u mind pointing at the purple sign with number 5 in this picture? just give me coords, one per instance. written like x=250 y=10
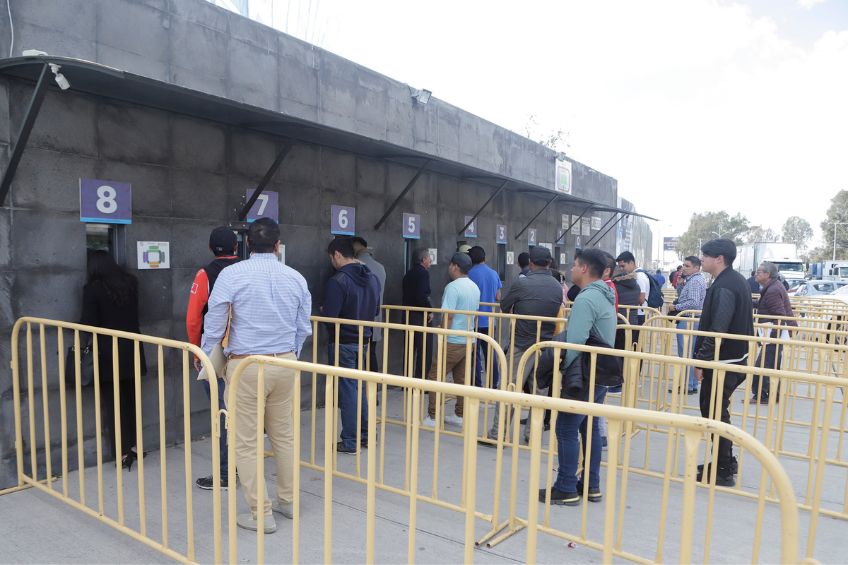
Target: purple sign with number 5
x=105 y=201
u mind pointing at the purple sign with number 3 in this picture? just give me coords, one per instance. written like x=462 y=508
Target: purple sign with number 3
x=105 y=201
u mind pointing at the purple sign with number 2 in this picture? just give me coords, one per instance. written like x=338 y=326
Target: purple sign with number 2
x=105 y=201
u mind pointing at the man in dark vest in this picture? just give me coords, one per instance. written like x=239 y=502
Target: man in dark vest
x=223 y=243
x=727 y=309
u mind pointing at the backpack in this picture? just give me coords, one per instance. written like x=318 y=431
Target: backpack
x=655 y=296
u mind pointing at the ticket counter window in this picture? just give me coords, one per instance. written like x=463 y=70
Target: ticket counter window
x=409 y=247
x=502 y=261
x=108 y=238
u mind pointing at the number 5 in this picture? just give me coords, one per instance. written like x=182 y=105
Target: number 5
x=410 y=224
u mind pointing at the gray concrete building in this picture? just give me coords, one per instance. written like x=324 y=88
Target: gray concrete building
x=191 y=105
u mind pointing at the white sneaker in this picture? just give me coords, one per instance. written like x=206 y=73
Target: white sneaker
x=454 y=420
x=248 y=522
x=284 y=508
x=428 y=422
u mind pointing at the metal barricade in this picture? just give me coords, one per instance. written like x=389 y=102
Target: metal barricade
x=607 y=535
x=48 y=348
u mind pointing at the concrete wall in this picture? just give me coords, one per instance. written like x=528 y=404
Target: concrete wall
x=189 y=176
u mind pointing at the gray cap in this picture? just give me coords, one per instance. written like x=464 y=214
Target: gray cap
x=461 y=260
x=540 y=255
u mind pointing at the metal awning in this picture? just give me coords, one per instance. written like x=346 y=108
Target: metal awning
x=108 y=82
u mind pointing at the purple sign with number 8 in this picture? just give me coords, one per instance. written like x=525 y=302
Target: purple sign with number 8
x=105 y=201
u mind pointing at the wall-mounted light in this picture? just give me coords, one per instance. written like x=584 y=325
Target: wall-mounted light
x=59 y=77
x=420 y=95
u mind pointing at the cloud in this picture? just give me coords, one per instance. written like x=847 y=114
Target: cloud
x=810 y=4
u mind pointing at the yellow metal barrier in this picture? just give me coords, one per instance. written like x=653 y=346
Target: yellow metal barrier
x=49 y=350
x=609 y=535
x=806 y=428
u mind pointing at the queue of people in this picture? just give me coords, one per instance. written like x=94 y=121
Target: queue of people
x=261 y=306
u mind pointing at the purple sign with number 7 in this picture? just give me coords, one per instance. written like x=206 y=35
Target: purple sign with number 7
x=267 y=205
x=105 y=201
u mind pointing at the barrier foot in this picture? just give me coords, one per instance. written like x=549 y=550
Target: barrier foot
x=491 y=533
x=26 y=486
x=514 y=529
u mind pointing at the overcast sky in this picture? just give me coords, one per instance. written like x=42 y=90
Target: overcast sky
x=693 y=105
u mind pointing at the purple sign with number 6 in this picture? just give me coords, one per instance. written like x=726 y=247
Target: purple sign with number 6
x=105 y=201
x=267 y=205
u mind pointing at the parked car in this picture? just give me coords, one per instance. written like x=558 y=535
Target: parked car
x=819 y=287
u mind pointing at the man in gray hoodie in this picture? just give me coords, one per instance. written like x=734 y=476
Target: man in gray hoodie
x=593 y=309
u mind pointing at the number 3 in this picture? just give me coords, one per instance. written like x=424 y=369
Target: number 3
x=106 y=200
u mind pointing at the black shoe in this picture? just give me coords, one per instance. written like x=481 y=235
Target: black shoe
x=522 y=421
x=128 y=460
x=764 y=399
x=692 y=391
x=734 y=466
x=547 y=426
x=594 y=494
x=340 y=447
x=560 y=498
x=723 y=477
x=206 y=483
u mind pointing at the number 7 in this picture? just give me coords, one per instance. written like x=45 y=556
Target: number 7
x=263 y=198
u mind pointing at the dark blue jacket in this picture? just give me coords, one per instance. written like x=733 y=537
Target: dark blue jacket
x=352 y=293
x=416 y=287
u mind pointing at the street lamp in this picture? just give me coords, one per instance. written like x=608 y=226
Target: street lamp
x=835 y=224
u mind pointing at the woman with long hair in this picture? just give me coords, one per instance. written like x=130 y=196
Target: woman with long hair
x=110 y=300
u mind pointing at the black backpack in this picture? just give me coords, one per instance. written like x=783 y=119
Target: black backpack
x=575 y=378
x=655 y=296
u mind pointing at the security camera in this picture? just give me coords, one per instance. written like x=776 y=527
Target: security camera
x=59 y=77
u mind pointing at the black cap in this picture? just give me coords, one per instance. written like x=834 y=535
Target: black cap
x=222 y=241
x=540 y=255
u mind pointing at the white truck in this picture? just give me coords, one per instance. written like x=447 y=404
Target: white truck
x=784 y=255
x=829 y=270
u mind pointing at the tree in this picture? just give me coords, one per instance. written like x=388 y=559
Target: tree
x=837 y=218
x=797 y=230
x=759 y=233
x=711 y=225
x=557 y=140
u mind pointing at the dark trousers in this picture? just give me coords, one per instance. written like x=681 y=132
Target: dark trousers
x=772 y=353
x=419 y=339
x=484 y=351
x=126 y=403
x=222 y=442
x=568 y=426
x=372 y=356
x=349 y=357
x=731 y=382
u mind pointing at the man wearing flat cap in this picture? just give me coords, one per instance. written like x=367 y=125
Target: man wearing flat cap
x=454 y=354
x=537 y=294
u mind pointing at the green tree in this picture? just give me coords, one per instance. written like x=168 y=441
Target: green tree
x=711 y=225
x=836 y=219
x=797 y=230
x=759 y=233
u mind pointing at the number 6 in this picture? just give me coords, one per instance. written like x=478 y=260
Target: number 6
x=343 y=219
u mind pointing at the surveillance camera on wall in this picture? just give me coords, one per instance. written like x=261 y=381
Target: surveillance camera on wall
x=59 y=77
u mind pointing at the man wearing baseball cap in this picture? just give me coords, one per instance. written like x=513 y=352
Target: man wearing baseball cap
x=460 y=294
x=537 y=294
x=223 y=244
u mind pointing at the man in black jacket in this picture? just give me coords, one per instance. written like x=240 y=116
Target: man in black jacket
x=728 y=310
x=353 y=293
x=416 y=292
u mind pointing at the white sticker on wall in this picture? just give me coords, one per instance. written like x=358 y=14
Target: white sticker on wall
x=561 y=259
x=154 y=255
x=510 y=257
x=434 y=255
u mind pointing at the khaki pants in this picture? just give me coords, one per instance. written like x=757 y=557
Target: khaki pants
x=279 y=388
x=455 y=362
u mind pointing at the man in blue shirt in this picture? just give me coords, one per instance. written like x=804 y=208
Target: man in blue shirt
x=489 y=283
x=353 y=292
x=461 y=294
x=266 y=306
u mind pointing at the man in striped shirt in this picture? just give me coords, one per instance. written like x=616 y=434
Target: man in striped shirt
x=270 y=306
x=691 y=297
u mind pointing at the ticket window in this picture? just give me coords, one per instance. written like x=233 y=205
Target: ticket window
x=501 y=261
x=409 y=247
x=106 y=237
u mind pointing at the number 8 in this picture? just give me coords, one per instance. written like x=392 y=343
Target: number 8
x=106 y=200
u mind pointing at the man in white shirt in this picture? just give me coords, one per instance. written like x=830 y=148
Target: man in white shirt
x=627 y=262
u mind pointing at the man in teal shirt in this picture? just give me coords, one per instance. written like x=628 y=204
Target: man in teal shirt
x=593 y=309
x=460 y=294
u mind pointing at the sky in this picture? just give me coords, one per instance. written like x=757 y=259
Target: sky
x=692 y=105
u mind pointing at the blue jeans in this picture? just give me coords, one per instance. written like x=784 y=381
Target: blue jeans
x=222 y=442
x=685 y=326
x=348 y=357
x=567 y=427
x=483 y=350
